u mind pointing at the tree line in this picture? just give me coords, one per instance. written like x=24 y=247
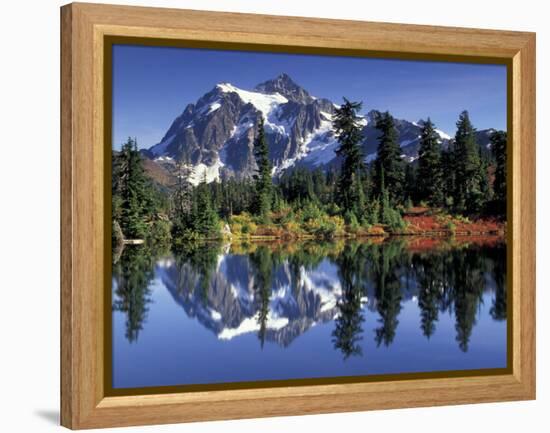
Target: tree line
x=459 y=179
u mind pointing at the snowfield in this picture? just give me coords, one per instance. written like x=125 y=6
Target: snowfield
x=265 y=103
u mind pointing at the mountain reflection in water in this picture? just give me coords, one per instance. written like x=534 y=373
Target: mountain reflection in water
x=349 y=295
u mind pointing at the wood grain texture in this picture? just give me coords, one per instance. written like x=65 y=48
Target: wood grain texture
x=84 y=27
x=67 y=385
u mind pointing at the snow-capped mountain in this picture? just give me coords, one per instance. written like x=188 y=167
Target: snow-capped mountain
x=216 y=134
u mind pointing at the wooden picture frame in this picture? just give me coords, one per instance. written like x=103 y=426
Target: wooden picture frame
x=84 y=30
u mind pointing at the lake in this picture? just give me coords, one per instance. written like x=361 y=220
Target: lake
x=216 y=313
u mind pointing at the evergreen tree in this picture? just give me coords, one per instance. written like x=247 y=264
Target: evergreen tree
x=430 y=176
x=469 y=196
x=263 y=200
x=449 y=178
x=388 y=214
x=388 y=159
x=411 y=187
x=498 y=148
x=136 y=202
x=182 y=215
x=205 y=218
x=182 y=196
x=486 y=191
x=348 y=131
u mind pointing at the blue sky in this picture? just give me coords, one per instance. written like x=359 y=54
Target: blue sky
x=152 y=85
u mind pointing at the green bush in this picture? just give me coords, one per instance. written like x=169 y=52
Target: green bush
x=311 y=212
x=116 y=234
x=159 y=233
x=393 y=219
x=181 y=234
x=462 y=219
x=373 y=212
x=333 y=209
x=352 y=222
x=450 y=226
x=290 y=216
x=325 y=226
x=242 y=224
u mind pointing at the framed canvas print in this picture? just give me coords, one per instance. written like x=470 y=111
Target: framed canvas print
x=270 y=216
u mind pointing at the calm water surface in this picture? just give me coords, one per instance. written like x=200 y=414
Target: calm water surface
x=230 y=313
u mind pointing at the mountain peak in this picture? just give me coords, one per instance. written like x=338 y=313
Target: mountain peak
x=285 y=78
x=285 y=86
x=372 y=116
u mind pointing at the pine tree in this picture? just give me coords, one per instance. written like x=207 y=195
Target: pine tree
x=182 y=202
x=131 y=185
x=411 y=187
x=430 y=176
x=262 y=205
x=205 y=218
x=448 y=183
x=346 y=127
x=469 y=196
x=486 y=191
x=181 y=198
x=388 y=214
x=388 y=158
x=498 y=148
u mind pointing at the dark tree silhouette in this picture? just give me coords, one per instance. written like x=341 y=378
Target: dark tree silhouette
x=262 y=262
x=348 y=324
x=133 y=273
x=348 y=132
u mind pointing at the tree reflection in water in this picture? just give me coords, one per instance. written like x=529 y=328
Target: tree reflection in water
x=133 y=273
x=276 y=280
x=348 y=329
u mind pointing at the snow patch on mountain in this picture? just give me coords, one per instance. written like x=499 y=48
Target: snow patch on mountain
x=407 y=142
x=215 y=315
x=209 y=173
x=443 y=134
x=213 y=107
x=263 y=102
x=160 y=148
x=279 y=125
x=317 y=147
x=164 y=158
x=321 y=145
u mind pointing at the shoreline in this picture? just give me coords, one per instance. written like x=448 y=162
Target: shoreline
x=351 y=236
